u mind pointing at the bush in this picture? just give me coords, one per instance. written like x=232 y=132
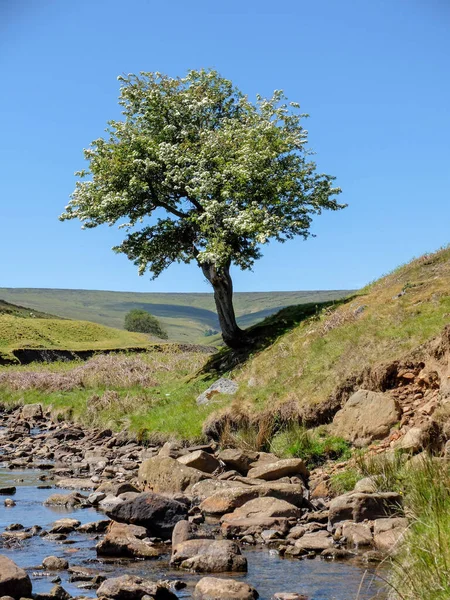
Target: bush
x=141 y=321
x=313 y=446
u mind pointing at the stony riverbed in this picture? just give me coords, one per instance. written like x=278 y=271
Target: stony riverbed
x=110 y=507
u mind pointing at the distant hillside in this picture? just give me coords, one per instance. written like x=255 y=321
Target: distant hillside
x=187 y=317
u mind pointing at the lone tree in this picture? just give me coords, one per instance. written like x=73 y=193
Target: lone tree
x=197 y=172
x=143 y=322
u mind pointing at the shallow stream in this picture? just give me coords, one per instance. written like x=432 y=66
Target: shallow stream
x=318 y=579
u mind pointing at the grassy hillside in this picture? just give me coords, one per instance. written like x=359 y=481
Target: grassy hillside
x=185 y=316
x=379 y=323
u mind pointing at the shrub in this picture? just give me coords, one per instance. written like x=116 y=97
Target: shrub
x=141 y=321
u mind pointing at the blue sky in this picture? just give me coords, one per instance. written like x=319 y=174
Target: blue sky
x=374 y=76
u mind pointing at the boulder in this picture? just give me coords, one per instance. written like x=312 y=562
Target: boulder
x=259 y=514
x=366 y=416
x=14 y=581
x=185 y=530
x=212 y=588
x=239 y=460
x=414 y=440
x=206 y=488
x=208 y=556
x=227 y=500
x=316 y=541
x=56 y=593
x=201 y=460
x=162 y=474
x=76 y=484
x=53 y=563
x=132 y=587
x=356 y=506
x=66 y=500
x=157 y=513
x=64 y=525
x=287 y=467
x=367 y=485
x=357 y=534
x=124 y=540
x=31 y=412
x=221 y=386
x=111 y=488
x=388 y=533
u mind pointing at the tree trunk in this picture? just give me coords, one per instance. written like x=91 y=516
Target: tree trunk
x=222 y=285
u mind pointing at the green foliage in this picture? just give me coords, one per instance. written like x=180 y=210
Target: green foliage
x=388 y=470
x=142 y=321
x=313 y=446
x=344 y=481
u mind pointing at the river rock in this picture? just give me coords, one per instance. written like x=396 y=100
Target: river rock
x=163 y=474
x=67 y=500
x=132 y=587
x=314 y=542
x=185 y=530
x=206 y=488
x=227 y=500
x=287 y=467
x=56 y=593
x=112 y=488
x=221 y=386
x=94 y=526
x=124 y=540
x=212 y=588
x=53 y=563
x=358 y=507
x=387 y=533
x=208 y=556
x=357 y=534
x=157 y=513
x=8 y=491
x=31 y=412
x=64 y=525
x=201 y=460
x=14 y=581
x=240 y=460
x=366 y=416
x=76 y=484
x=259 y=514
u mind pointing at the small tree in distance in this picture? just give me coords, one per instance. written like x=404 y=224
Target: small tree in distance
x=141 y=321
x=197 y=172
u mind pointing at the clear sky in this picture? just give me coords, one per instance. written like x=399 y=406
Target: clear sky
x=373 y=75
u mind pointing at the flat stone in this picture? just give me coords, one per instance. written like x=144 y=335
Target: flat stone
x=213 y=588
x=162 y=474
x=208 y=556
x=201 y=460
x=132 y=587
x=282 y=468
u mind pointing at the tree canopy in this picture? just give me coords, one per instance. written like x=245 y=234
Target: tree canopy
x=142 y=321
x=195 y=171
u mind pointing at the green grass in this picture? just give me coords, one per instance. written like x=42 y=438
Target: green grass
x=185 y=316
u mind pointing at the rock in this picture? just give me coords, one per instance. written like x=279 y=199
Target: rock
x=208 y=556
x=282 y=468
x=8 y=491
x=359 y=506
x=163 y=474
x=367 y=485
x=221 y=386
x=388 y=533
x=157 y=513
x=53 y=563
x=357 y=534
x=76 y=484
x=212 y=588
x=413 y=441
x=206 y=488
x=64 y=526
x=14 y=581
x=366 y=416
x=94 y=526
x=67 y=500
x=96 y=497
x=289 y=596
x=314 y=542
x=238 y=459
x=124 y=540
x=56 y=593
x=227 y=500
x=132 y=587
x=259 y=514
x=31 y=412
x=185 y=530
x=9 y=502
x=111 y=488
x=203 y=461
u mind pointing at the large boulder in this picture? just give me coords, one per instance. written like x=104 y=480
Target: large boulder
x=31 y=412
x=240 y=460
x=154 y=512
x=316 y=541
x=227 y=500
x=221 y=386
x=359 y=506
x=366 y=416
x=259 y=514
x=212 y=588
x=162 y=474
x=201 y=460
x=206 y=488
x=132 y=587
x=124 y=540
x=287 y=467
x=14 y=581
x=387 y=533
x=185 y=530
x=208 y=556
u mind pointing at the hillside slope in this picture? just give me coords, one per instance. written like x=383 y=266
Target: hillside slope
x=186 y=317
x=380 y=323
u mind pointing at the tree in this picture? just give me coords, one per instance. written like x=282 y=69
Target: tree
x=144 y=322
x=196 y=172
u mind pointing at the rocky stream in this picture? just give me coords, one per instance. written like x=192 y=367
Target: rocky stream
x=92 y=513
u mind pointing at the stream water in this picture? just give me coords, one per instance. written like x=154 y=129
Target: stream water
x=318 y=579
